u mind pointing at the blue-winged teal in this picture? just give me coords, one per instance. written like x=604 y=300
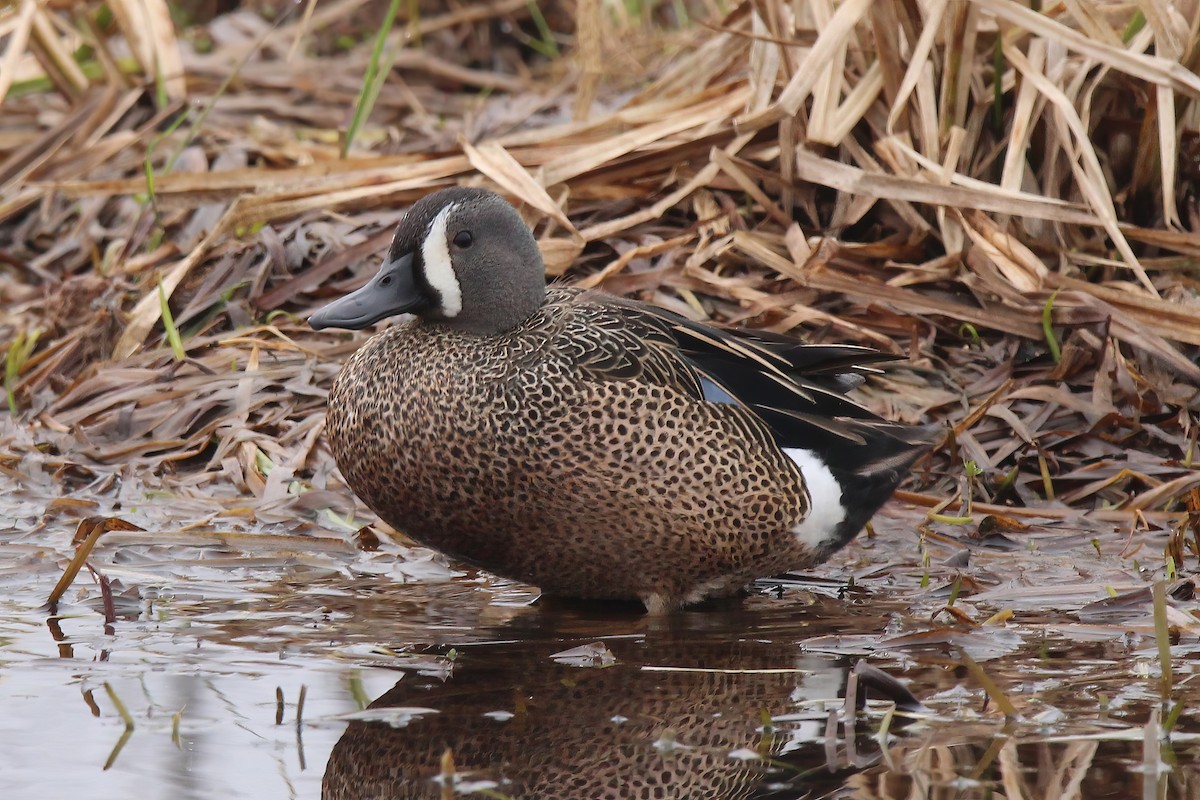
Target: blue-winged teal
x=593 y=446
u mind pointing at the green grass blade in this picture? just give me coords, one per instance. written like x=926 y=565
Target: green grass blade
x=161 y=98
x=1134 y=27
x=372 y=80
x=1048 y=328
x=169 y=324
x=19 y=351
x=1162 y=635
x=148 y=161
x=546 y=46
x=414 y=22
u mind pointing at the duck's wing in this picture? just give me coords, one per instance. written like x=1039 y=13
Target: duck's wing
x=795 y=390
x=606 y=338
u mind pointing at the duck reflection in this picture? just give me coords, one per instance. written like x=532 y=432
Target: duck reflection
x=650 y=710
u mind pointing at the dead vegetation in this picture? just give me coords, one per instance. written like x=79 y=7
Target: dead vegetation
x=1004 y=197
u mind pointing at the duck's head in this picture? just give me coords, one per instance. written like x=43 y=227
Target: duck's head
x=463 y=257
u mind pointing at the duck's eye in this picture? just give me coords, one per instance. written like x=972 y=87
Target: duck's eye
x=463 y=240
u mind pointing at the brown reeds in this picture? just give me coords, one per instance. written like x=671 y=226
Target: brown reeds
x=1004 y=196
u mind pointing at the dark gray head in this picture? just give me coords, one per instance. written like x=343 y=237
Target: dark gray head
x=463 y=257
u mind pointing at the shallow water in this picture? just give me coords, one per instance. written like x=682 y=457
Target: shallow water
x=257 y=668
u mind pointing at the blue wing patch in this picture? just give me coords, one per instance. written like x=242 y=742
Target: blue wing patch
x=715 y=393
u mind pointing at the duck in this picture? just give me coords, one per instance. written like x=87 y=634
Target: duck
x=594 y=446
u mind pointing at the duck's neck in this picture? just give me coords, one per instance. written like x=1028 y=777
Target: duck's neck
x=503 y=309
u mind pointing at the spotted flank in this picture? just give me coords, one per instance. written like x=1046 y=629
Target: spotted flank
x=594 y=446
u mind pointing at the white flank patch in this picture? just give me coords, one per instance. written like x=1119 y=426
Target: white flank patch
x=824 y=492
x=439 y=269
x=656 y=604
x=706 y=589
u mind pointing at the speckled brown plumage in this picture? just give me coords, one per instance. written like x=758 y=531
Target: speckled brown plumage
x=593 y=446
x=573 y=452
x=592 y=733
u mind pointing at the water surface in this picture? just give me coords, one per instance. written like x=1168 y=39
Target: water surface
x=259 y=667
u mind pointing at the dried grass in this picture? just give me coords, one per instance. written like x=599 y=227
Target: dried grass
x=934 y=180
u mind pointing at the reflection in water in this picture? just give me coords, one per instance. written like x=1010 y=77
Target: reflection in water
x=573 y=705
x=684 y=711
